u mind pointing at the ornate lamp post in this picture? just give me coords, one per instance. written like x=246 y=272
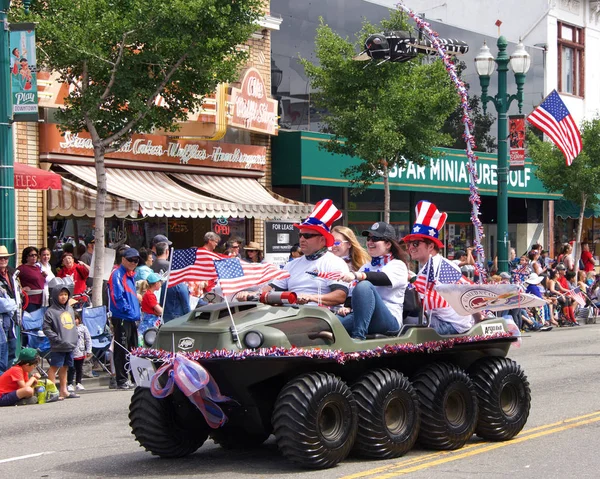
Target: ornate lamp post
x=7 y=174
x=484 y=64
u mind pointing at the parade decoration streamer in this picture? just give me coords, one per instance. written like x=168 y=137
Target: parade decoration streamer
x=196 y=383
x=336 y=355
x=474 y=197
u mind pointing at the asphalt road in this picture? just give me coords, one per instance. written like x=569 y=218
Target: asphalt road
x=90 y=437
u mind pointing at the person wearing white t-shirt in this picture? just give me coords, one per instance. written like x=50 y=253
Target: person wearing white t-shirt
x=423 y=243
x=378 y=297
x=315 y=239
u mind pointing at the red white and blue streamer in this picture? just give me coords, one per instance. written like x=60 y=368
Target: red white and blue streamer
x=474 y=197
x=196 y=383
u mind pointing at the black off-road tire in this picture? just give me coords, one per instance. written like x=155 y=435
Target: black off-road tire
x=504 y=398
x=234 y=438
x=164 y=427
x=388 y=414
x=448 y=406
x=314 y=420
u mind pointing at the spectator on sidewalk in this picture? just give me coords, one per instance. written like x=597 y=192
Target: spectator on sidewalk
x=151 y=310
x=155 y=241
x=79 y=272
x=82 y=350
x=60 y=329
x=254 y=253
x=211 y=241
x=32 y=278
x=45 y=255
x=8 y=320
x=125 y=309
x=16 y=384
x=8 y=306
x=144 y=269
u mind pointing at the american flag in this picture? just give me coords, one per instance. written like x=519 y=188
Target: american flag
x=425 y=284
x=554 y=119
x=577 y=296
x=235 y=276
x=193 y=264
x=333 y=275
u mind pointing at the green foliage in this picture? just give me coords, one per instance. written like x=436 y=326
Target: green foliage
x=123 y=53
x=581 y=180
x=380 y=114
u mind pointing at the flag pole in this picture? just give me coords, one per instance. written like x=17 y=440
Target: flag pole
x=234 y=331
x=166 y=286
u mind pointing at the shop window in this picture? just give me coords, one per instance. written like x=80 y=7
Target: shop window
x=571 y=67
x=459 y=236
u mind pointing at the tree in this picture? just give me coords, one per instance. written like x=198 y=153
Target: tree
x=580 y=182
x=482 y=123
x=383 y=114
x=119 y=56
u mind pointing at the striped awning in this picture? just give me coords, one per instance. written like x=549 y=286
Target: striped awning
x=78 y=200
x=157 y=194
x=249 y=195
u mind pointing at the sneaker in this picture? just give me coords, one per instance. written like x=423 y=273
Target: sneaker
x=123 y=387
x=79 y=387
x=70 y=388
x=27 y=401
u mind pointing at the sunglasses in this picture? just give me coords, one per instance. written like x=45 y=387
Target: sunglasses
x=375 y=239
x=133 y=260
x=415 y=244
x=337 y=243
x=308 y=235
x=32 y=255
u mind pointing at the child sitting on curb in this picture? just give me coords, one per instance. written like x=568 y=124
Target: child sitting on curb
x=15 y=383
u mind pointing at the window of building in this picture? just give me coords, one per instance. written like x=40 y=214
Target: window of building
x=571 y=50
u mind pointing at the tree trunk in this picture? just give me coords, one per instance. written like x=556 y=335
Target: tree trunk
x=577 y=255
x=99 y=220
x=386 y=192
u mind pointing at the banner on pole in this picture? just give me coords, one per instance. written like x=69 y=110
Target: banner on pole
x=23 y=72
x=516 y=139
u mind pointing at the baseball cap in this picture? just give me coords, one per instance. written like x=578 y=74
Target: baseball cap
x=505 y=275
x=381 y=230
x=27 y=355
x=131 y=253
x=561 y=266
x=153 y=278
x=161 y=239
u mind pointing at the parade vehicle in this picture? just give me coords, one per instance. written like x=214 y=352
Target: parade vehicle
x=294 y=372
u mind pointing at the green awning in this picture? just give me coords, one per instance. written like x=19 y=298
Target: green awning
x=567 y=209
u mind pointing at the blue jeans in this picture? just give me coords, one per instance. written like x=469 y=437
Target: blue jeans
x=3 y=351
x=443 y=328
x=369 y=313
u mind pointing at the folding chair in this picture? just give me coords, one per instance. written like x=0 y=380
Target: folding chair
x=32 y=327
x=96 y=321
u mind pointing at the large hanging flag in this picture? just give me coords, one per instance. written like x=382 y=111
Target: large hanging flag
x=554 y=119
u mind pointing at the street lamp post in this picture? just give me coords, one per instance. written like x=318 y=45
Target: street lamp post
x=484 y=64
x=7 y=175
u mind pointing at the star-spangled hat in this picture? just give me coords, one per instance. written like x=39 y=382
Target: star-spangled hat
x=428 y=224
x=320 y=220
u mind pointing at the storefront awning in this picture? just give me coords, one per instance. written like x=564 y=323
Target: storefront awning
x=249 y=194
x=567 y=209
x=78 y=200
x=32 y=178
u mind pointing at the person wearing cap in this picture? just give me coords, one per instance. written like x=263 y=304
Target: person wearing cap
x=156 y=240
x=17 y=383
x=423 y=243
x=151 y=310
x=378 y=297
x=315 y=241
x=254 y=253
x=8 y=339
x=465 y=261
x=78 y=271
x=125 y=310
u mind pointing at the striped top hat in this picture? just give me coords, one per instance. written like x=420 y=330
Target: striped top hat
x=321 y=219
x=428 y=224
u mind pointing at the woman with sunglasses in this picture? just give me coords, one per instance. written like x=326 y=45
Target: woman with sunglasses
x=378 y=297
x=32 y=278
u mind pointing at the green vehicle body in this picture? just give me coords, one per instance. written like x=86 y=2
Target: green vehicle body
x=255 y=383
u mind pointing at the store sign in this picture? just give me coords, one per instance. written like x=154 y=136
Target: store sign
x=251 y=107
x=516 y=141
x=445 y=173
x=159 y=149
x=280 y=236
x=23 y=72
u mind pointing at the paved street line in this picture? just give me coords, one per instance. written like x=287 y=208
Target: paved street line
x=400 y=469
x=18 y=458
